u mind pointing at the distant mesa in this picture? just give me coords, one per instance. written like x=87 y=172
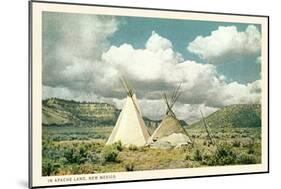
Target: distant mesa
x=60 y=112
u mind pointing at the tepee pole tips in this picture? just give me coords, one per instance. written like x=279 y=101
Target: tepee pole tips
x=126 y=86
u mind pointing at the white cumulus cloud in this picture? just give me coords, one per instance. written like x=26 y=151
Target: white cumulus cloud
x=72 y=43
x=158 y=67
x=227 y=43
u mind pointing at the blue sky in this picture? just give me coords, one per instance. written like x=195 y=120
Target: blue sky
x=136 y=31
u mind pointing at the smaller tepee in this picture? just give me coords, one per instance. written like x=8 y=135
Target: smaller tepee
x=130 y=128
x=170 y=125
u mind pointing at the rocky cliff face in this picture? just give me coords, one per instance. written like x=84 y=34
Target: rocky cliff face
x=63 y=112
x=58 y=112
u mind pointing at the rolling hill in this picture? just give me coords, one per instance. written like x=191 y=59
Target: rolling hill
x=239 y=115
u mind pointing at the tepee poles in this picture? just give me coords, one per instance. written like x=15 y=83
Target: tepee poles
x=129 y=91
x=207 y=129
x=126 y=86
x=169 y=107
x=175 y=95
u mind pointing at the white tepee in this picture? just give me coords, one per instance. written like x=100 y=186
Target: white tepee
x=130 y=128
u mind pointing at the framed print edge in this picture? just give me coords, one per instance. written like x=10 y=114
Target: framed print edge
x=30 y=146
x=137 y=176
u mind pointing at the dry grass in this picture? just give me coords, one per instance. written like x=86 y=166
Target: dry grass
x=233 y=146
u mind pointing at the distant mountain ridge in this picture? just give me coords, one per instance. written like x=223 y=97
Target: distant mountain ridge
x=238 y=115
x=59 y=112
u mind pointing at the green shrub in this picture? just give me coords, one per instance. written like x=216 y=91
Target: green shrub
x=197 y=155
x=236 y=143
x=233 y=136
x=70 y=156
x=187 y=157
x=217 y=136
x=143 y=148
x=110 y=154
x=118 y=145
x=206 y=159
x=95 y=158
x=82 y=154
x=251 y=148
x=129 y=167
x=133 y=147
x=246 y=159
x=49 y=167
x=224 y=155
x=76 y=154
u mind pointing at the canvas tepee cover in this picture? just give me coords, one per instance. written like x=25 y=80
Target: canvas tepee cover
x=130 y=128
x=168 y=126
